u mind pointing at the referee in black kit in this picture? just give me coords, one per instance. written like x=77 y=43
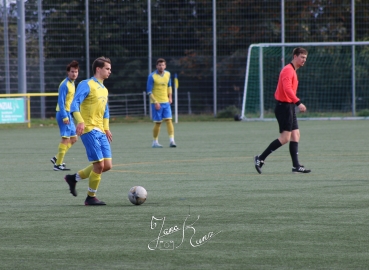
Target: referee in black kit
x=286 y=98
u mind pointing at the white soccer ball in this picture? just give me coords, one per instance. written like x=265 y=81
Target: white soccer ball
x=137 y=195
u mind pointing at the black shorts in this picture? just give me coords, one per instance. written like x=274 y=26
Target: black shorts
x=286 y=116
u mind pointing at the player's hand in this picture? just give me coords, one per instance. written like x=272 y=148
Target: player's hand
x=80 y=128
x=109 y=135
x=157 y=106
x=302 y=108
x=170 y=100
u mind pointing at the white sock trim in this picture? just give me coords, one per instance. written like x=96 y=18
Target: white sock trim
x=91 y=190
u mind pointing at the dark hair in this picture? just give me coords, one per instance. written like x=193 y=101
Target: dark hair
x=100 y=63
x=160 y=60
x=73 y=64
x=297 y=51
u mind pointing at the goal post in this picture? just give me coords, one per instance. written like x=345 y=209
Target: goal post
x=334 y=82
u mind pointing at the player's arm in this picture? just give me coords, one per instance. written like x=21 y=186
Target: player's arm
x=106 y=123
x=63 y=91
x=170 y=98
x=149 y=87
x=81 y=93
x=169 y=90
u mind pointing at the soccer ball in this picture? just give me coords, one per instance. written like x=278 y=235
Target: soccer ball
x=237 y=117
x=137 y=195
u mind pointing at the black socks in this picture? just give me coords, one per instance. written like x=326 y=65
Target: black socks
x=274 y=145
x=294 y=151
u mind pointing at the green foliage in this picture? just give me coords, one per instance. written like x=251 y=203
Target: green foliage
x=228 y=112
x=182 y=32
x=363 y=112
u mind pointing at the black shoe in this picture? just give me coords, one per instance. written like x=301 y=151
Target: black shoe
x=60 y=168
x=53 y=161
x=258 y=164
x=71 y=181
x=93 y=201
x=300 y=169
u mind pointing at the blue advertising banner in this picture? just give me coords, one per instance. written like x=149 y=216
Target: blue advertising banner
x=12 y=110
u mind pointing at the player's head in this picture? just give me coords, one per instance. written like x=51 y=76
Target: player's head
x=160 y=60
x=73 y=64
x=299 y=57
x=100 y=63
x=72 y=70
x=101 y=67
x=161 y=65
x=297 y=51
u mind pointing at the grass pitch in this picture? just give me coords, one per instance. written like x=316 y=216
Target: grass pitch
x=207 y=207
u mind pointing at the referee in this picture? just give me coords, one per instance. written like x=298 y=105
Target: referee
x=286 y=100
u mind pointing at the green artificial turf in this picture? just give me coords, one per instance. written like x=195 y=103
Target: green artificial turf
x=218 y=213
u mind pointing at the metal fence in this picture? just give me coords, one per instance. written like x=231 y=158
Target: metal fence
x=129 y=105
x=204 y=41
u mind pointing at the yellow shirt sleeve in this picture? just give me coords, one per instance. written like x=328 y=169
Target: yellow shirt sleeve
x=153 y=99
x=78 y=117
x=106 y=123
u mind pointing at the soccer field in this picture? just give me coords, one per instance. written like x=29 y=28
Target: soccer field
x=207 y=207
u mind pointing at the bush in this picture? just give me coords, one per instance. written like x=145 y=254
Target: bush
x=363 y=112
x=228 y=112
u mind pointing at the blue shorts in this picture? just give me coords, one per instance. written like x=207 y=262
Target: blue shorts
x=165 y=112
x=66 y=131
x=97 y=145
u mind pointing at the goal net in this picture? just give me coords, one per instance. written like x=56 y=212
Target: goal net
x=333 y=83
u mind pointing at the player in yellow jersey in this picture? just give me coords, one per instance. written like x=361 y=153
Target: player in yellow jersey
x=159 y=88
x=90 y=110
x=63 y=117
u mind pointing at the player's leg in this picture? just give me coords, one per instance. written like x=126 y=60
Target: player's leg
x=167 y=116
x=273 y=146
x=294 y=143
x=73 y=134
x=93 y=184
x=282 y=114
x=85 y=173
x=294 y=149
x=72 y=179
x=103 y=154
x=157 y=119
x=63 y=145
x=72 y=140
x=53 y=159
x=170 y=129
x=62 y=150
x=68 y=137
x=92 y=142
x=106 y=152
x=94 y=180
x=155 y=134
x=61 y=126
x=97 y=149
